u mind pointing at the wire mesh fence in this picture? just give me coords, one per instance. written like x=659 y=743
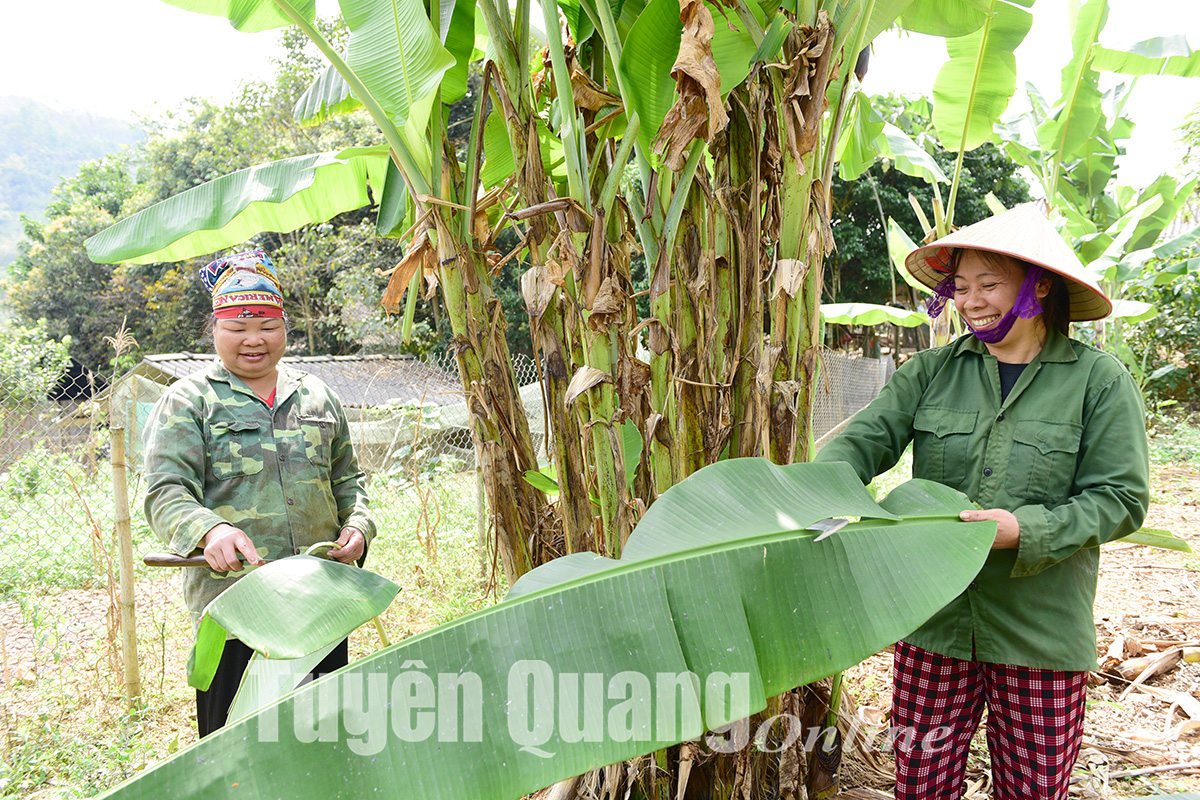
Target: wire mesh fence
x=58 y=556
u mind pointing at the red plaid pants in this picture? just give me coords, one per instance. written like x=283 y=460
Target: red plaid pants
x=1034 y=725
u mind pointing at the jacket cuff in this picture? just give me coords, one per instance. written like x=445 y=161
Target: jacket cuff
x=1032 y=554
x=364 y=524
x=191 y=530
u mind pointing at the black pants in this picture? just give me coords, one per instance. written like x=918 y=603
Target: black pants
x=212 y=707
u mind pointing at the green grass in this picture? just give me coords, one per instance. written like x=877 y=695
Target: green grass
x=1175 y=440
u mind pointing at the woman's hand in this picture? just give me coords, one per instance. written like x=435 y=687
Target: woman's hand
x=1008 y=530
x=350 y=546
x=222 y=545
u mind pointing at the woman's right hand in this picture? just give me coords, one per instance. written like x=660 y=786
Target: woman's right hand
x=222 y=545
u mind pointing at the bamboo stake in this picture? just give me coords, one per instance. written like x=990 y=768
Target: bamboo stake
x=133 y=680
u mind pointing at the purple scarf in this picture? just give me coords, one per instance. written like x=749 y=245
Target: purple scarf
x=1026 y=305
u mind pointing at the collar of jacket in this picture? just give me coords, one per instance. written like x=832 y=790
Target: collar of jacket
x=1056 y=349
x=285 y=385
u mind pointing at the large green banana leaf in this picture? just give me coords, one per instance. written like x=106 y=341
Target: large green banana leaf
x=947 y=18
x=276 y=196
x=908 y=156
x=457 y=30
x=1074 y=119
x=1165 y=55
x=974 y=87
x=721 y=600
x=397 y=54
x=251 y=16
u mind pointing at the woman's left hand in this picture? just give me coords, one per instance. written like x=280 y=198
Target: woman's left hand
x=350 y=546
x=1008 y=530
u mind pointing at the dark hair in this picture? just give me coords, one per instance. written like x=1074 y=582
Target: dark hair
x=1056 y=305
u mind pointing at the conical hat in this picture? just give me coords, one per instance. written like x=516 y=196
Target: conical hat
x=1022 y=232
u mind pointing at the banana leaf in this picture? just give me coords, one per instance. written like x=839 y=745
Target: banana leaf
x=946 y=18
x=899 y=246
x=909 y=157
x=1133 y=310
x=1153 y=537
x=328 y=96
x=1074 y=120
x=268 y=679
x=251 y=16
x=277 y=196
x=858 y=146
x=1165 y=55
x=288 y=609
x=871 y=314
x=646 y=60
x=721 y=600
x=974 y=87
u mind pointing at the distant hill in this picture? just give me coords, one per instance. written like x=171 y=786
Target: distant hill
x=39 y=145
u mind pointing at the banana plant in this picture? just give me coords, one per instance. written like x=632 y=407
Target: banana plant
x=729 y=591
x=729 y=116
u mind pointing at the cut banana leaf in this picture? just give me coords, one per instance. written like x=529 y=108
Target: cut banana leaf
x=289 y=609
x=727 y=600
x=268 y=679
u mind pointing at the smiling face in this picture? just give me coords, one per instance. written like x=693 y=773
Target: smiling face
x=250 y=347
x=986 y=286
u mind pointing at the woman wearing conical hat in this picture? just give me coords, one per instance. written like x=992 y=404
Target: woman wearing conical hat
x=250 y=460
x=1046 y=435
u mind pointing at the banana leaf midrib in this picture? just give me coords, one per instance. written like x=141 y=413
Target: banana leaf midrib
x=620 y=568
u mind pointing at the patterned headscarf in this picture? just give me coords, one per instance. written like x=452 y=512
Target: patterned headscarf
x=243 y=285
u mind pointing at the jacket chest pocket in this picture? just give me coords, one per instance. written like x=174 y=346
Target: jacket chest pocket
x=317 y=432
x=237 y=449
x=941 y=443
x=1042 y=464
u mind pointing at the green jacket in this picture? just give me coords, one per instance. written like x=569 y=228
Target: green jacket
x=286 y=476
x=1066 y=453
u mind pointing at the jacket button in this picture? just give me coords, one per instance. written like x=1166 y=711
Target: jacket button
x=291 y=502
x=1000 y=418
x=987 y=473
x=973 y=585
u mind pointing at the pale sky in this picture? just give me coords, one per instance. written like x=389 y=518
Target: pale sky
x=121 y=57
x=909 y=63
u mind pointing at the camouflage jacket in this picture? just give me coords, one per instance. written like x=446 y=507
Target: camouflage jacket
x=287 y=476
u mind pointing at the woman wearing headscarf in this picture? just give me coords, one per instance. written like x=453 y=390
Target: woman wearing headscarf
x=1046 y=435
x=250 y=460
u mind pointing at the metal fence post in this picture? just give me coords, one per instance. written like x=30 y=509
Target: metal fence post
x=133 y=680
